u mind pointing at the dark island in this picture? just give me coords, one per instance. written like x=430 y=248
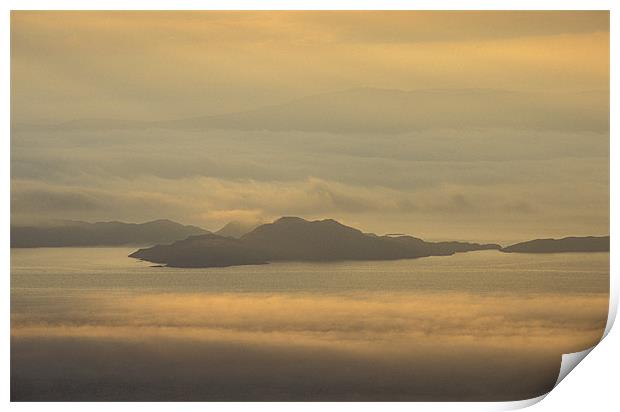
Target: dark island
x=296 y=239
x=567 y=244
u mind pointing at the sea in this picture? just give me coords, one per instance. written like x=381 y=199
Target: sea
x=92 y=324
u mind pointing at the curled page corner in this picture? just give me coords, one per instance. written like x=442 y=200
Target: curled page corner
x=569 y=361
x=613 y=306
x=525 y=403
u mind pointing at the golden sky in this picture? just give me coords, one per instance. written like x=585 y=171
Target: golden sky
x=175 y=64
x=440 y=124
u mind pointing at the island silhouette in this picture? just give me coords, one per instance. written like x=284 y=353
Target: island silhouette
x=288 y=238
x=567 y=244
x=297 y=239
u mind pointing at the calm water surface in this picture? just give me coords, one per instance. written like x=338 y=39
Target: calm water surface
x=93 y=324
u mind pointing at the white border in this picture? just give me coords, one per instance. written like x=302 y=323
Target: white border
x=602 y=371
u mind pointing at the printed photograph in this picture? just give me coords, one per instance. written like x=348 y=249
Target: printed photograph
x=306 y=205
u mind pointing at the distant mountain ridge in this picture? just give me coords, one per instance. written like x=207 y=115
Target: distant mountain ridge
x=75 y=233
x=357 y=111
x=296 y=239
x=567 y=244
x=236 y=229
